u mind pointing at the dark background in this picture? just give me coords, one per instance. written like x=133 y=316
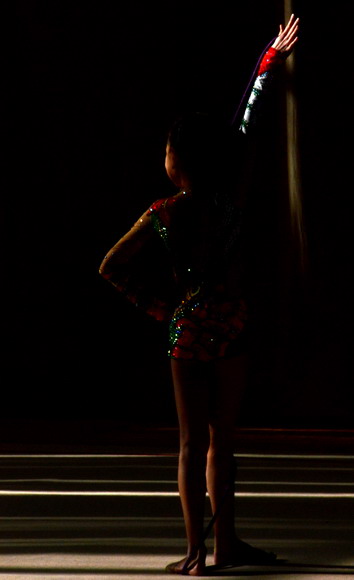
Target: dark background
x=95 y=86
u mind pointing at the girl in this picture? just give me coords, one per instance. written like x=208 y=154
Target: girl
x=205 y=307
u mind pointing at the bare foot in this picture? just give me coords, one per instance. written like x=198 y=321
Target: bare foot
x=192 y=565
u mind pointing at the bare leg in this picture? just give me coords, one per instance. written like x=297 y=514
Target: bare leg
x=191 y=385
x=226 y=401
x=229 y=384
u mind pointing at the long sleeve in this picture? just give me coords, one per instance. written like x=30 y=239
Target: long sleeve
x=136 y=267
x=127 y=247
x=270 y=61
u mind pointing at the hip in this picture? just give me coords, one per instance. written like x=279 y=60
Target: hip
x=207 y=328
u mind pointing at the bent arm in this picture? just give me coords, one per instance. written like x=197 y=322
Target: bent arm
x=127 y=247
x=130 y=268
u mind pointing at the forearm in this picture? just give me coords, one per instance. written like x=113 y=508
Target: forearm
x=274 y=56
x=269 y=63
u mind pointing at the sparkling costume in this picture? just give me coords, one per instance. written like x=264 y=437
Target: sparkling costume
x=201 y=295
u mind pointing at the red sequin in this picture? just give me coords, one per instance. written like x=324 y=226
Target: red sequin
x=272 y=58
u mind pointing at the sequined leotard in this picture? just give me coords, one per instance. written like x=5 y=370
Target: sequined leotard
x=203 y=245
x=204 y=305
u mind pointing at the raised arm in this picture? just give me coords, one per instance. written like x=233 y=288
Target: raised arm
x=276 y=54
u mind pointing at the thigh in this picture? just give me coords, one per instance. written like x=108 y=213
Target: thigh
x=192 y=387
x=227 y=393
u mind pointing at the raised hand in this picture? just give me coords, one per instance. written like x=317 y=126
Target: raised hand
x=287 y=37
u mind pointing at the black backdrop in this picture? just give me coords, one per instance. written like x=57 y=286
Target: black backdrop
x=95 y=86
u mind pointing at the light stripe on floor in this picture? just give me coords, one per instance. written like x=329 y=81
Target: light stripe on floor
x=281 y=495
x=172 y=455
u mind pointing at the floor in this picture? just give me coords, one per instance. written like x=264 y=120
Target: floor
x=109 y=516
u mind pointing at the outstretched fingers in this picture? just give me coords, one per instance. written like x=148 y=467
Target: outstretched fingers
x=287 y=37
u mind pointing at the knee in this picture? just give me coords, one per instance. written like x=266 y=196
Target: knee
x=194 y=449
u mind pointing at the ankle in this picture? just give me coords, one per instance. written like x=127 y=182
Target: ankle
x=192 y=565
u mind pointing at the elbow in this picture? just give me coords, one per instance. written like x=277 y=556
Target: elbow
x=104 y=270
x=112 y=263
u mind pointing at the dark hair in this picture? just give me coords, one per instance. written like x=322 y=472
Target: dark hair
x=201 y=142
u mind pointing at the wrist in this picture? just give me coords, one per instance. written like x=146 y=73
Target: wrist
x=272 y=58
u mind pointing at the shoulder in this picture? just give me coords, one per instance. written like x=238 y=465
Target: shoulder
x=168 y=202
x=168 y=205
